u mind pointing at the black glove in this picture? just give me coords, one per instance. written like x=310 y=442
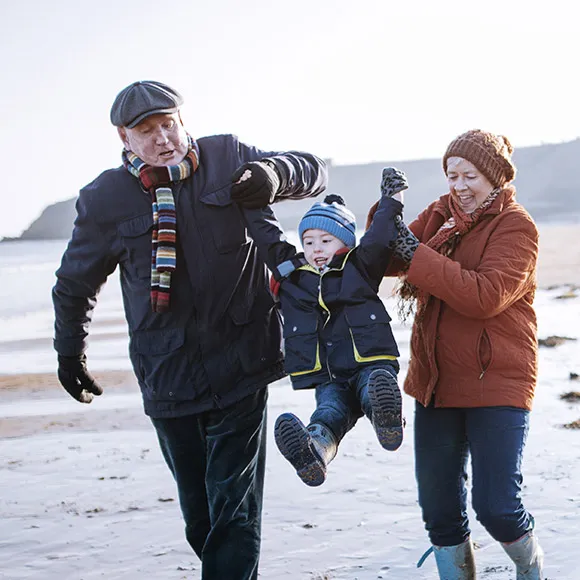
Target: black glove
x=255 y=184
x=393 y=181
x=76 y=379
x=406 y=242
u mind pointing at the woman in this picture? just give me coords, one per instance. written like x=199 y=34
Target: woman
x=468 y=265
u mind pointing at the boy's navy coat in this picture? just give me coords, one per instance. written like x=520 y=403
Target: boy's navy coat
x=334 y=322
x=221 y=339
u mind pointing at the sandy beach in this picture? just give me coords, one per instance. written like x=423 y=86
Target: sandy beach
x=86 y=495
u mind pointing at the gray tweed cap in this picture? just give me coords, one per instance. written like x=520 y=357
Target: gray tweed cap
x=140 y=100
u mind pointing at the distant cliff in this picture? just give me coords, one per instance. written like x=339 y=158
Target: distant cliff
x=548 y=185
x=54 y=223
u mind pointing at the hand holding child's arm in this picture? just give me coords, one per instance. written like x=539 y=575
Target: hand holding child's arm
x=406 y=243
x=393 y=183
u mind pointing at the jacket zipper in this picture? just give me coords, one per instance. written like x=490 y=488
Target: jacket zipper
x=324 y=307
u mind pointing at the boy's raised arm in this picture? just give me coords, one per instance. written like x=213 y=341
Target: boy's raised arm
x=274 y=248
x=376 y=246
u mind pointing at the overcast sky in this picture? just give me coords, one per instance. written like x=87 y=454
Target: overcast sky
x=351 y=81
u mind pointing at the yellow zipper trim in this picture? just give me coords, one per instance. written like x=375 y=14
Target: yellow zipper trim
x=320 y=300
x=317 y=365
x=309 y=268
x=359 y=358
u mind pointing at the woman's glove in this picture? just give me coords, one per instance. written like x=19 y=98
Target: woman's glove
x=394 y=181
x=406 y=242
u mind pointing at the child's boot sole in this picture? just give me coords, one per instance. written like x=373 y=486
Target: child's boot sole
x=386 y=402
x=294 y=442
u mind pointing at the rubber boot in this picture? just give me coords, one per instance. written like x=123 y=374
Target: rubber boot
x=453 y=562
x=387 y=412
x=528 y=557
x=309 y=449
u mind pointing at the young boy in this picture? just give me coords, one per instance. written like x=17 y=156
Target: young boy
x=337 y=335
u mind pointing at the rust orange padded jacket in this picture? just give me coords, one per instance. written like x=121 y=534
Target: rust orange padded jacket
x=476 y=345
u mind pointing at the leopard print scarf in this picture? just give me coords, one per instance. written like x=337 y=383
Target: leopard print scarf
x=411 y=299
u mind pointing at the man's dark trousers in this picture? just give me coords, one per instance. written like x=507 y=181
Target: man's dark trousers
x=217 y=459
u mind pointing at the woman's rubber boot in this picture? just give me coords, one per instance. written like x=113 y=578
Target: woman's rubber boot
x=386 y=404
x=309 y=449
x=528 y=557
x=455 y=562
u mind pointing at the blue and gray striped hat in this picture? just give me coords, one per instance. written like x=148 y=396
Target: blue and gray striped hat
x=332 y=216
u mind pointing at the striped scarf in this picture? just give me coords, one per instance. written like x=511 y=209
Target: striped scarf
x=157 y=181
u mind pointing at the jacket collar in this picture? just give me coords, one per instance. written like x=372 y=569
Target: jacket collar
x=337 y=263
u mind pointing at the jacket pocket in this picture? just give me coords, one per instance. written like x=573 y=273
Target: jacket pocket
x=484 y=352
x=160 y=363
x=156 y=342
x=257 y=334
x=228 y=228
x=135 y=236
x=243 y=310
x=302 y=347
x=371 y=334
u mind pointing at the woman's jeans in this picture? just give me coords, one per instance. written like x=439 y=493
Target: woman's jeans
x=217 y=459
x=339 y=405
x=495 y=438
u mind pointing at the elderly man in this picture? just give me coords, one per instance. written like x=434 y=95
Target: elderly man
x=204 y=332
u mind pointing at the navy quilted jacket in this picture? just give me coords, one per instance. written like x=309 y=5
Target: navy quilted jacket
x=334 y=322
x=221 y=339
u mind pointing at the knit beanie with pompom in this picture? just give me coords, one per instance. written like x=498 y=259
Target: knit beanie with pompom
x=332 y=216
x=490 y=153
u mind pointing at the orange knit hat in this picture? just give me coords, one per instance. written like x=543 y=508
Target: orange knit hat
x=490 y=153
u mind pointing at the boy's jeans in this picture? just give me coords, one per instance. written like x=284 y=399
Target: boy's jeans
x=495 y=438
x=217 y=459
x=340 y=405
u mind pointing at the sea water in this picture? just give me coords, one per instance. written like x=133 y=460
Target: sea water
x=27 y=271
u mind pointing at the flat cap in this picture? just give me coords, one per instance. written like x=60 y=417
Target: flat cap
x=142 y=99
